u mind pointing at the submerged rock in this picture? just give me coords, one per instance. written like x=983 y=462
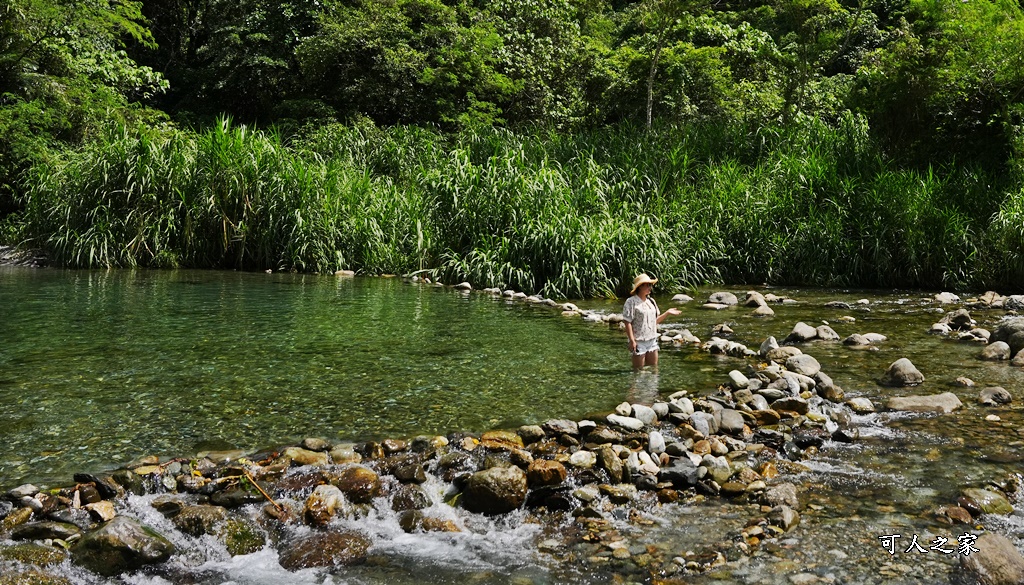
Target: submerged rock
x=945 y=403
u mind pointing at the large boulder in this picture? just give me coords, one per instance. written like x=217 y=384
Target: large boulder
x=495 y=491
x=324 y=549
x=945 y=403
x=902 y=373
x=123 y=544
x=723 y=298
x=996 y=561
x=803 y=364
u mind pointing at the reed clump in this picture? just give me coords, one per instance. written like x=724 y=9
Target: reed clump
x=564 y=215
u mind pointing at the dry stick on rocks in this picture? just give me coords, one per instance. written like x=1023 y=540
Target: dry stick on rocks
x=252 y=480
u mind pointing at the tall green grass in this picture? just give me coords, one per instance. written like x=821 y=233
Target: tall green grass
x=565 y=215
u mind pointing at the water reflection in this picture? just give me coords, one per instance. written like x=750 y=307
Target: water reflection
x=643 y=387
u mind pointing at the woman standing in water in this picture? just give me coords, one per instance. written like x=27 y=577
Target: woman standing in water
x=642 y=318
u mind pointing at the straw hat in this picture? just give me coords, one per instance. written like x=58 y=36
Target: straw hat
x=642 y=279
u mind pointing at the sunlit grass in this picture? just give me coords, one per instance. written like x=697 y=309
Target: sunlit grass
x=564 y=215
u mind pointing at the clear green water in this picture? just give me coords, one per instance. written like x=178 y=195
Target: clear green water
x=98 y=368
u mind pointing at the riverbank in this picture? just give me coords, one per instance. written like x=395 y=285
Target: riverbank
x=573 y=216
x=603 y=535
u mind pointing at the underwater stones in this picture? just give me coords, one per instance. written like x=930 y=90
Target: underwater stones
x=902 y=373
x=495 y=491
x=32 y=554
x=994 y=395
x=324 y=549
x=943 y=403
x=987 y=501
x=995 y=562
x=784 y=517
x=360 y=484
x=996 y=351
x=123 y=544
x=783 y=494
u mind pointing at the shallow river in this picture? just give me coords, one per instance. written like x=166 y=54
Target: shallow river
x=99 y=368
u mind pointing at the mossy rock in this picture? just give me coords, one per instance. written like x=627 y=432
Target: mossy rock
x=241 y=537
x=32 y=578
x=33 y=554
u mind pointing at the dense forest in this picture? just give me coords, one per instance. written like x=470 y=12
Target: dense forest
x=548 y=145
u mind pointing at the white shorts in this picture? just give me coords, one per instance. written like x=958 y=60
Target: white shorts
x=644 y=347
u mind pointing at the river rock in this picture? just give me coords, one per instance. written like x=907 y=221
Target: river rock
x=763 y=311
x=324 y=549
x=644 y=414
x=45 y=530
x=583 y=459
x=826 y=333
x=409 y=496
x=545 y=472
x=359 y=484
x=531 y=433
x=495 y=491
x=561 y=427
x=902 y=373
x=754 y=299
x=945 y=403
x=940 y=329
x=996 y=562
x=1014 y=303
x=988 y=501
x=241 y=537
x=861 y=405
x=856 y=340
x=199 y=520
x=1018 y=360
x=875 y=337
x=790 y=404
x=784 y=517
x=300 y=456
x=723 y=298
x=803 y=364
x=123 y=544
x=781 y=354
x=655 y=443
x=323 y=505
x=625 y=422
x=1012 y=332
x=996 y=351
x=826 y=388
x=947 y=298
x=718 y=468
x=783 y=494
x=731 y=422
x=610 y=462
x=342 y=454
x=801 y=332
x=768 y=345
x=994 y=395
x=681 y=298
